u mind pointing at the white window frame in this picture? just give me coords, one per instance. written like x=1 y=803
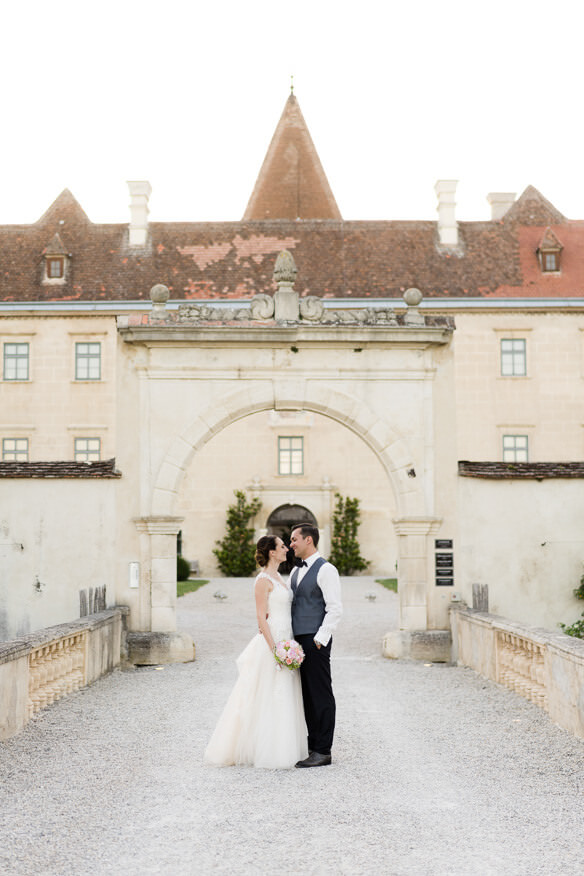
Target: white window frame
x=291 y=455
x=16 y=359
x=87 y=359
x=513 y=353
x=87 y=449
x=18 y=453
x=515 y=448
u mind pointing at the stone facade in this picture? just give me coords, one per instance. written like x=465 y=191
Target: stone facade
x=197 y=382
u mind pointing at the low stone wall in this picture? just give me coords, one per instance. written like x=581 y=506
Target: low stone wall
x=38 y=669
x=541 y=665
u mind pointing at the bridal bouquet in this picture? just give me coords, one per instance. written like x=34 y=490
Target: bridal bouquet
x=289 y=654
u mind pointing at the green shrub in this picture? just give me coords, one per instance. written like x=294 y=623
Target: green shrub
x=576 y=629
x=183 y=568
x=345 y=554
x=236 y=551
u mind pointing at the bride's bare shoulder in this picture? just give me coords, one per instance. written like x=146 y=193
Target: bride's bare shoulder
x=264 y=580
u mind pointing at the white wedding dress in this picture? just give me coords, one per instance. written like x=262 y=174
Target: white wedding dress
x=263 y=724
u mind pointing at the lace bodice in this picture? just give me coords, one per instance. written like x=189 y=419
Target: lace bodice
x=279 y=606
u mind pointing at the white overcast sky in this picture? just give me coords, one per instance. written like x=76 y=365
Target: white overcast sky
x=187 y=95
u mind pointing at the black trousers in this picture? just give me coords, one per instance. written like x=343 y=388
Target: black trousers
x=317 y=691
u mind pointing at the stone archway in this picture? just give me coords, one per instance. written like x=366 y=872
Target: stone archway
x=413 y=525
x=348 y=410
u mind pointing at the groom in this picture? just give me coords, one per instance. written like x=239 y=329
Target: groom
x=316 y=610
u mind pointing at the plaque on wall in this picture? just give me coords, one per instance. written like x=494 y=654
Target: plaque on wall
x=444 y=582
x=444 y=560
x=443 y=544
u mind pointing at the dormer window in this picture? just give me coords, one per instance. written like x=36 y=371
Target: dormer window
x=55 y=268
x=55 y=262
x=549 y=252
x=550 y=261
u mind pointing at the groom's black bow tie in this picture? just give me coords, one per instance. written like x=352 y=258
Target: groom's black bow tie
x=302 y=563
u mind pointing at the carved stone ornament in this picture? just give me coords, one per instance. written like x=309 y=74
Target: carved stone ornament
x=261 y=307
x=205 y=313
x=285 y=268
x=367 y=316
x=311 y=308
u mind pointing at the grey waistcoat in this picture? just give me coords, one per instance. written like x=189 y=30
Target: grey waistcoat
x=308 y=605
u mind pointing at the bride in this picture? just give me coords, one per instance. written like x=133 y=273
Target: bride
x=263 y=723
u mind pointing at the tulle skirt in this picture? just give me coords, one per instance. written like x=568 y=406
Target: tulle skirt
x=262 y=724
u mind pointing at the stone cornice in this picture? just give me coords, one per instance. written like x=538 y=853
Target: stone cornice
x=158 y=525
x=261 y=335
x=417 y=525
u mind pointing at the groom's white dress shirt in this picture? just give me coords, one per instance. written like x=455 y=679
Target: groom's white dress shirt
x=328 y=580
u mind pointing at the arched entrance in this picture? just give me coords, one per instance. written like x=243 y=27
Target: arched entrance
x=281 y=521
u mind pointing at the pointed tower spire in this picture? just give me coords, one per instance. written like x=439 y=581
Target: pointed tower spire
x=291 y=183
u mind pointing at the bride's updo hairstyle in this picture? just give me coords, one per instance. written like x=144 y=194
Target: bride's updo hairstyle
x=266 y=544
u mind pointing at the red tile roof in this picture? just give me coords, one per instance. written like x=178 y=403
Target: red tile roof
x=292 y=183
x=335 y=258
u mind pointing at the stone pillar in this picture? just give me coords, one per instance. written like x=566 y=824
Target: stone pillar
x=161 y=563
x=286 y=303
x=413 y=638
x=160 y=643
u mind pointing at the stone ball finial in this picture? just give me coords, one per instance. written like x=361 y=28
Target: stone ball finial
x=285 y=268
x=412 y=297
x=159 y=295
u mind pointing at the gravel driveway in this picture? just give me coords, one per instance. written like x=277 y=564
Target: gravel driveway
x=435 y=770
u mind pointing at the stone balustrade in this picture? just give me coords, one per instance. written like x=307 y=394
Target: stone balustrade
x=38 y=669
x=56 y=669
x=544 y=666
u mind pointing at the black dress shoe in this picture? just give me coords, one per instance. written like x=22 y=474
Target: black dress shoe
x=315 y=759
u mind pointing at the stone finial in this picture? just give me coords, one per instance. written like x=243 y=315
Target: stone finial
x=287 y=308
x=413 y=297
x=285 y=269
x=159 y=295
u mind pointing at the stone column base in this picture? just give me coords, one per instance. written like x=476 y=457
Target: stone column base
x=433 y=646
x=148 y=649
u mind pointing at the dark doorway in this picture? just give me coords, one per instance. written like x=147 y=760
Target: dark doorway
x=281 y=521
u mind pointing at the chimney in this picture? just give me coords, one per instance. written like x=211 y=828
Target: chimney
x=139 y=194
x=447 y=227
x=500 y=202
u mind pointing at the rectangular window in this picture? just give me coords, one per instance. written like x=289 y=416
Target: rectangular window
x=55 y=269
x=15 y=361
x=551 y=261
x=15 y=449
x=515 y=448
x=291 y=456
x=88 y=361
x=513 y=358
x=87 y=449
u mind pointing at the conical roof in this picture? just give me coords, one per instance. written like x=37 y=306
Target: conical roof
x=291 y=183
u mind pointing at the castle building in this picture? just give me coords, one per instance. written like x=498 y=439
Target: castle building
x=150 y=369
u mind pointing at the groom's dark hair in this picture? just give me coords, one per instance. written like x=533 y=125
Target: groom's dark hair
x=308 y=529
